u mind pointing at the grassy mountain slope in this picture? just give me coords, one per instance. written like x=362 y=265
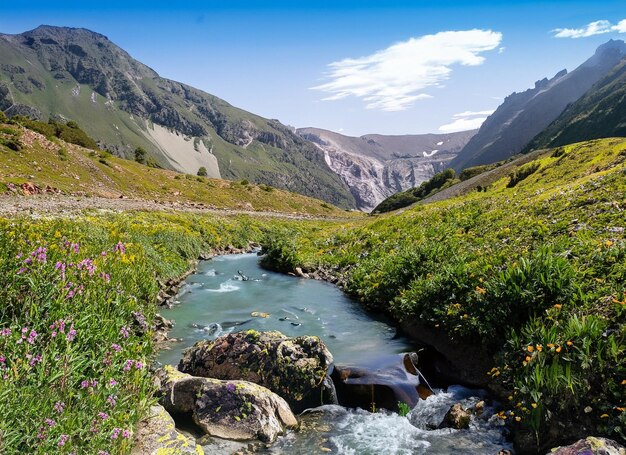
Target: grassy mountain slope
x=79 y=171
x=601 y=112
x=81 y=75
x=521 y=286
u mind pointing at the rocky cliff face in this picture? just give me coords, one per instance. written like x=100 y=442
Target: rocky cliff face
x=377 y=166
x=524 y=115
x=81 y=75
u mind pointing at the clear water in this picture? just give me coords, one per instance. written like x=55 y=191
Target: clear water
x=215 y=298
x=215 y=301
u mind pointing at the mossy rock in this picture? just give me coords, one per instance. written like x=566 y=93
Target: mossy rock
x=294 y=368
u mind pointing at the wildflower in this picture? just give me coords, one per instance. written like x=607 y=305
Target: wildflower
x=480 y=290
x=106 y=277
x=558 y=306
x=103 y=415
x=534 y=405
x=620 y=409
x=119 y=248
x=32 y=336
x=116 y=433
x=604 y=416
x=62 y=440
x=71 y=334
x=530 y=348
x=59 y=406
x=138 y=365
x=528 y=358
x=558 y=349
x=124 y=332
x=230 y=387
x=112 y=382
x=61 y=266
x=550 y=345
x=128 y=365
x=539 y=348
x=5 y=332
x=608 y=243
x=569 y=343
x=518 y=419
x=34 y=360
x=102 y=452
x=112 y=400
x=116 y=347
x=623 y=382
x=50 y=422
x=126 y=434
x=510 y=397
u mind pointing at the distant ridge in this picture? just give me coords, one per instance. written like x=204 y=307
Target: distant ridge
x=522 y=116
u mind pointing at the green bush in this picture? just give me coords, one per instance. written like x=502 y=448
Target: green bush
x=202 y=172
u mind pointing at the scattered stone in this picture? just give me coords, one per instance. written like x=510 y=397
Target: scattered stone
x=300 y=273
x=294 y=368
x=259 y=314
x=236 y=410
x=479 y=408
x=457 y=417
x=591 y=446
x=157 y=434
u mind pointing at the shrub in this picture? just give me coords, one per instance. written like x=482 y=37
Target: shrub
x=140 y=155
x=202 y=172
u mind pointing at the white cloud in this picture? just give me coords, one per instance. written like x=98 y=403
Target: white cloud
x=593 y=28
x=462 y=124
x=473 y=113
x=393 y=79
x=463 y=121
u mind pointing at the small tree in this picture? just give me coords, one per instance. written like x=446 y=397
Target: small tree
x=202 y=172
x=140 y=155
x=3 y=117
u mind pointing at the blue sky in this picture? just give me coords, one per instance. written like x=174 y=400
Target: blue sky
x=397 y=66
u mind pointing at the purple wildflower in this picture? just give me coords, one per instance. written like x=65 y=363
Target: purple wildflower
x=103 y=415
x=115 y=433
x=230 y=387
x=32 y=336
x=119 y=248
x=71 y=334
x=50 y=422
x=116 y=347
x=59 y=406
x=112 y=400
x=62 y=440
x=138 y=365
x=112 y=382
x=128 y=365
x=5 y=332
x=124 y=332
x=126 y=434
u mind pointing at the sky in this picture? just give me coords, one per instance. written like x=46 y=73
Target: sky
x=355 y=67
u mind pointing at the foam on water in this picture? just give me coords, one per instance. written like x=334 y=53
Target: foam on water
x=227 y=286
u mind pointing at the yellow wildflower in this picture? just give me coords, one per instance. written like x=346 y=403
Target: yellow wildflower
x=539 y=348
x=530 y=348
x=604 y=416
x=557 y=306
x=534 y=405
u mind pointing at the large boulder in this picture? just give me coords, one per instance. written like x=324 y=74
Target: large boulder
x=294 y=368
x=591 y=446
x=235 y=410
x=157 y=434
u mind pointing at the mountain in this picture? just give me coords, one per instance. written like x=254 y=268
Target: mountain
x=376 y=166
x=522 y=116
x=600 y=113
x=80 y=75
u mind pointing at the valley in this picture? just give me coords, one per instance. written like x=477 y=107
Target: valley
x=180 y=275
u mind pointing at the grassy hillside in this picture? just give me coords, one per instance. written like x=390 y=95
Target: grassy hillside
x=524 y=283
x=81 y=75
x=76 y=170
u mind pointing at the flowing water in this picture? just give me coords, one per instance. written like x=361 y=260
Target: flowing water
x=217 y=300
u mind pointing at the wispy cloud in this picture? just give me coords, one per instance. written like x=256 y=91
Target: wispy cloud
x=393 y=79
x=591 y=29
x=463 y=121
